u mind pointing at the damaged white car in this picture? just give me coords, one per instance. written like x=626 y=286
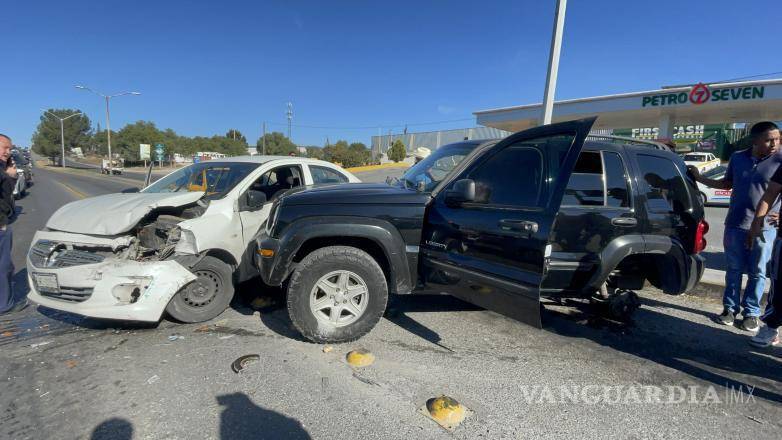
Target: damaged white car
x=177 y=246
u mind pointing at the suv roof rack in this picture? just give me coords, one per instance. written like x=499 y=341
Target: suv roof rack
x=629 y=141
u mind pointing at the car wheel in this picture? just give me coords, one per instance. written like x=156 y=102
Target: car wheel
x=704 y=199
x=337 y=294
x=207 y=296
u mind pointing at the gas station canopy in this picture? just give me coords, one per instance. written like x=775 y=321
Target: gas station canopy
x=749 y=101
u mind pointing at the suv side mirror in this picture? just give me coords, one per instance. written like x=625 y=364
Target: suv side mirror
x=255 y=200
x=462 y=191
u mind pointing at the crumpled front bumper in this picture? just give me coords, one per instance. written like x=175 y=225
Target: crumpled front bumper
x=113 y=289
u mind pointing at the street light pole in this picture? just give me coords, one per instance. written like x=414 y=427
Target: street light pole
x=553 y=63
x=62 y=133
x=108 y=118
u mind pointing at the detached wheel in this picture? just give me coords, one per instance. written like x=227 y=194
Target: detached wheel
x=207 y=296
x=337 y=294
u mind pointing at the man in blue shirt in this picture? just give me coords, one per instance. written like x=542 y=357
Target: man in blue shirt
x=748 y=174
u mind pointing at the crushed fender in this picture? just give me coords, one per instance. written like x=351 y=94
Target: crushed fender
x=242 y=362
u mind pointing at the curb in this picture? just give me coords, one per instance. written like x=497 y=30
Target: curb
x=377 y=167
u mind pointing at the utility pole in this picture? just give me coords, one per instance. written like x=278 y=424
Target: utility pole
x=108 y=121
x=289 y=113
x=263 y=139
x=553 y=63
x=62 y=133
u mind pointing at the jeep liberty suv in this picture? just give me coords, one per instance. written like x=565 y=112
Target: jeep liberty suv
x=545 y=212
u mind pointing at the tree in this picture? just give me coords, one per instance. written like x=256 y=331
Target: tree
x=397 y=152
x=236 y=135
x=352 y=155
x=277 y=144
x=47 y=137
x=126 y=143
x=314 y=152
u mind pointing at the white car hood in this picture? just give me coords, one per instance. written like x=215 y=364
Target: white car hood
x=114 y=214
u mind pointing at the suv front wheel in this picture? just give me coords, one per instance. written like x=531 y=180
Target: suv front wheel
x=337 y=294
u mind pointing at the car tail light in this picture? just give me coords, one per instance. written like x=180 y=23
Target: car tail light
x=700 y=236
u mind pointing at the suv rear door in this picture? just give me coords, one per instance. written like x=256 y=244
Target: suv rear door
x=486 y=232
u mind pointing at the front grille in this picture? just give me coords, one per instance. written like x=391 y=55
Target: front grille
x=70 y=294
x=49 y=254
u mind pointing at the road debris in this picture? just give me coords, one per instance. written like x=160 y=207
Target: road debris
x=7 y=334
x=242 y=362
x=44 y=394
x=175 y=337
x=445 y=411
x=153 y=379
x=366 y=380
x=70 y=363
x=360 y=358
x=328 y=349
x=40 y=344
x=226 y=337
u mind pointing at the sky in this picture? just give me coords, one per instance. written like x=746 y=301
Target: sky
x=356 y=68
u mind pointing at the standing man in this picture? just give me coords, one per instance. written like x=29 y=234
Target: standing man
x=748 y=174
x=7 y=183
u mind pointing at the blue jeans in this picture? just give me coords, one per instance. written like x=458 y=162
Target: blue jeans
x=6 y=270
x=744 y=261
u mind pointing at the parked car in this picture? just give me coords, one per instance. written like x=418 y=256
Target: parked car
x=703 y=161
x=23 y=174
x=715 y=196
x=177 y=246
x=501 y=224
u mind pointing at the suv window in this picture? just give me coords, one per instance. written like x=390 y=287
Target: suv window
x=666 y=189
x=585 y=187
x=591 y=185
x=326 y=175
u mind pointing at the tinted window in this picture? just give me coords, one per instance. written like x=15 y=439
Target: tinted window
x=665 y=187
x=500 y=180
x=618 y=193
x=432 y=170
x=585 y=187
x=326 y=175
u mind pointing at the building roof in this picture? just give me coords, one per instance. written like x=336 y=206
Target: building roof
x=746 y=101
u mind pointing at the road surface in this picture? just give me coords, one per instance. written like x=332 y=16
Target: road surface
x=578 y=377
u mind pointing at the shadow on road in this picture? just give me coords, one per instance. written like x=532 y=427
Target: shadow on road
x=113 y=429
x=715 y=260
x=242 y=419
x=699 y=350
x=399 y=307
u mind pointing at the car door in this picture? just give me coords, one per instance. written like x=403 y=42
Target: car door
x=486 y=234
x=272 y=183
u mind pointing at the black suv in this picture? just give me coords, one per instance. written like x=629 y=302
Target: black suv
x=545 y=212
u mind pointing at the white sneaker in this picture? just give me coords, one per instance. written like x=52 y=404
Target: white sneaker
x=766 y=337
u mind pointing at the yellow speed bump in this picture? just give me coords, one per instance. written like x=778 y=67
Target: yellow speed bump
x=446 y=411
x=360 y=358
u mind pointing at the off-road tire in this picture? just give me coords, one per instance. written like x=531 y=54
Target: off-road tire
x=216 y=274
x=324 y=261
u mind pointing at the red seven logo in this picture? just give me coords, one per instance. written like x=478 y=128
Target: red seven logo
x=700 y=93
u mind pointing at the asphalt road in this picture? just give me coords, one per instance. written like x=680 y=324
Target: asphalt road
x=579 y=377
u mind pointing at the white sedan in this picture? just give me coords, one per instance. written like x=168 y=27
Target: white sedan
x=178 y=246
x=703 y=161
x=714 y=196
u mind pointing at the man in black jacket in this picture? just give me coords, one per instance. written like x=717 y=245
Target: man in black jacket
x=7 y=183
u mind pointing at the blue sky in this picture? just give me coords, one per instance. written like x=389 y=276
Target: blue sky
x=203 y=67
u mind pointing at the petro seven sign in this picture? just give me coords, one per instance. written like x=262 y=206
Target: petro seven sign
x=701 y=93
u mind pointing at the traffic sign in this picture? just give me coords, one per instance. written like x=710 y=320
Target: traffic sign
x=159 y=151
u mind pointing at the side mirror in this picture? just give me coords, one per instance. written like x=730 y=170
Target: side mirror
x=255 y=199
x=462 y=191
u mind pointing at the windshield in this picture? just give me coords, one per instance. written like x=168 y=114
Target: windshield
x=214 y=178
x=694 y=158
x=434 y=168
